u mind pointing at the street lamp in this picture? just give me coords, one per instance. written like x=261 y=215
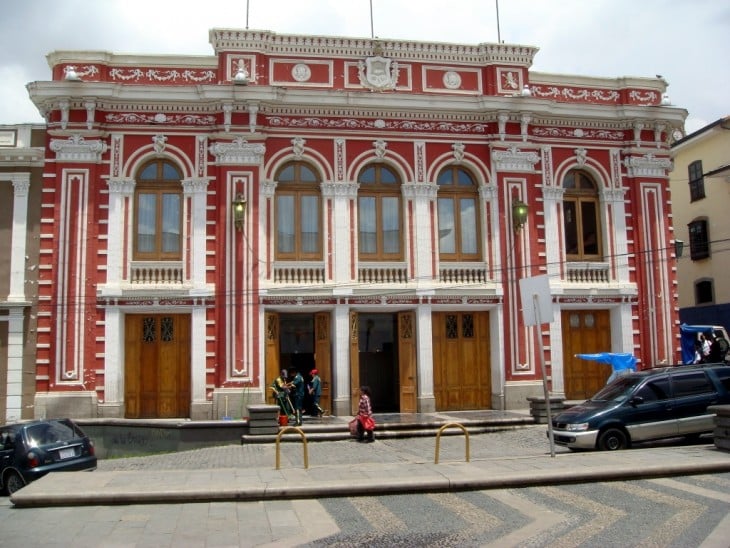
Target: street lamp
x=519 y=214
x=239 y=210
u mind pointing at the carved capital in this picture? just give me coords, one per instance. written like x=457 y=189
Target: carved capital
x=422 y=190
x=648 y=166
x=237 y=152
x=121 y=185
x=515 y=160
x=344 y=190
x=196 y=185
x=77 y=149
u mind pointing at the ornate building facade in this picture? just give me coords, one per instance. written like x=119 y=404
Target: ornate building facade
x=365 y=207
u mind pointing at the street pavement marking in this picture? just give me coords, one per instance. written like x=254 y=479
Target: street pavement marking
x=695 y=490
x=542 y=519
x=378 y=515
x=479 y=519
x=604 y=516
x=316 y=523
x=686 y=512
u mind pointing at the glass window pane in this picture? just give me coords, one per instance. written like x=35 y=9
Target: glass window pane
x=285 y=224
x=590 y=236
x=146 y=222
x=571 y=227
x=149 y=173
x=465 y=178
x=367 y=175
x=366 y=218
x=306 y=175
x=468 y=225
x=286 y=175
x=170 y=223
x=170 y=172
x=444 y=177
x=387 y=176
x=391 y=225
x=447 y=234
x=310 y=224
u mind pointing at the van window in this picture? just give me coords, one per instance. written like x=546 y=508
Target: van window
x=655 y=390
x=723 y=373
x=690 y=384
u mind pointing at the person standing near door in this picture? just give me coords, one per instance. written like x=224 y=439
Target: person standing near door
x=315 y=390
x=298 y=387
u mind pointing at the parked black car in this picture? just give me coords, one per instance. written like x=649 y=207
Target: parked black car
x=29 y=450
x=646 y=405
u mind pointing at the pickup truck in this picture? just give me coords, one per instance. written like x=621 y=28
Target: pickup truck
x=647 y=405
x=690 y=336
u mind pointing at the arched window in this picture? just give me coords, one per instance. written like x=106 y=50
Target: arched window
x=458 y=215
x=158 y=212
x=580 y=217
x=298 y=213
x=379 y=214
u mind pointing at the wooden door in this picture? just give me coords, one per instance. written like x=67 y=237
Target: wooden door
x=461 y=367
x=585 y=332
x=354 y=362
x=157 y=366
x=271 y=353
x=322 y=357
x=407 y=361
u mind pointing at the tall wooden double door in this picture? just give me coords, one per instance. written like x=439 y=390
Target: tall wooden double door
x=461 y=364
x=157 y=365
x=585 y=332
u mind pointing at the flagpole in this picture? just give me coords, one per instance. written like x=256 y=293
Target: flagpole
x=246 y=14
x=499 y=36
x=372 y=32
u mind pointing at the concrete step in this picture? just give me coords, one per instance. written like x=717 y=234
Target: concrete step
x=327 y=429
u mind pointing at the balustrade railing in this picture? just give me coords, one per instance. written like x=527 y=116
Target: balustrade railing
x=463 y=273
x=588 y=272
x=156 y=273
x=299 y=273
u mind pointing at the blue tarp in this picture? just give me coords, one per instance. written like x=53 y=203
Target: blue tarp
x=620 y=362
x=688 y=338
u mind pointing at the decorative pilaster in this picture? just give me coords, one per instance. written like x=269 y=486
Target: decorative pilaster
x=423 y=197
x=342 y=196
x=121 y=190
x=196 y=190
x=21 y=185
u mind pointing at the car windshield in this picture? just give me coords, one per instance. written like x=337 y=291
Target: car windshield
x=46 y=433
x=618 y=390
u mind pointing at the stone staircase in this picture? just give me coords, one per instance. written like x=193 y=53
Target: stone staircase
x=396 y=426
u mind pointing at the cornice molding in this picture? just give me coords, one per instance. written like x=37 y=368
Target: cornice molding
x=225 y=40
x=647 y=166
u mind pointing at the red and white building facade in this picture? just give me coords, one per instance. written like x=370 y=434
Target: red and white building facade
x=346 y=204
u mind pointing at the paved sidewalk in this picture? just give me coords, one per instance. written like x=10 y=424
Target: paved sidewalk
x=513 y=458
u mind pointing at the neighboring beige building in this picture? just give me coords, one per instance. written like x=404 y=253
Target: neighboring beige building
x=700 y=186
x=21 y=166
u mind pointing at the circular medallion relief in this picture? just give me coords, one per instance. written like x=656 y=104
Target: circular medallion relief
x=578 y=132
x=452 y=80
x=301 y=72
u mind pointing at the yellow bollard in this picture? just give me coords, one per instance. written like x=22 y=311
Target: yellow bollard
x=438 y=439
x=278 y=442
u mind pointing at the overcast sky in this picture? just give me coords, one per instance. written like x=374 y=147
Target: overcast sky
x=686 y=41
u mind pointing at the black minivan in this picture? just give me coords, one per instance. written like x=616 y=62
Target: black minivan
x=646 y=405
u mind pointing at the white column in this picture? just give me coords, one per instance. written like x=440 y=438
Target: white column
x=426 y=399
x=197 y=190
x=119 y=190
x=21 y=184
x=342 y=195
x=422 y=195
x=14 y=383
x=197 y=356
x=113 y=357
x=341 y=361
x=552 y=198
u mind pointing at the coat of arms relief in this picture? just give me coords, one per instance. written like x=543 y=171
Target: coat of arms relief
x=378 y=73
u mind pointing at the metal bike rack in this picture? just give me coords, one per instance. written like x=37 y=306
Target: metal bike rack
x=438 y=439
x=278 y=443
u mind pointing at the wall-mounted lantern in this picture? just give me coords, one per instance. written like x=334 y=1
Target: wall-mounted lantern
x=239 y=211
x=519 y=214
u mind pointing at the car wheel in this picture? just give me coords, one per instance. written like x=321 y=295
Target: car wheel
x=13 y=482
x=613 y=439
